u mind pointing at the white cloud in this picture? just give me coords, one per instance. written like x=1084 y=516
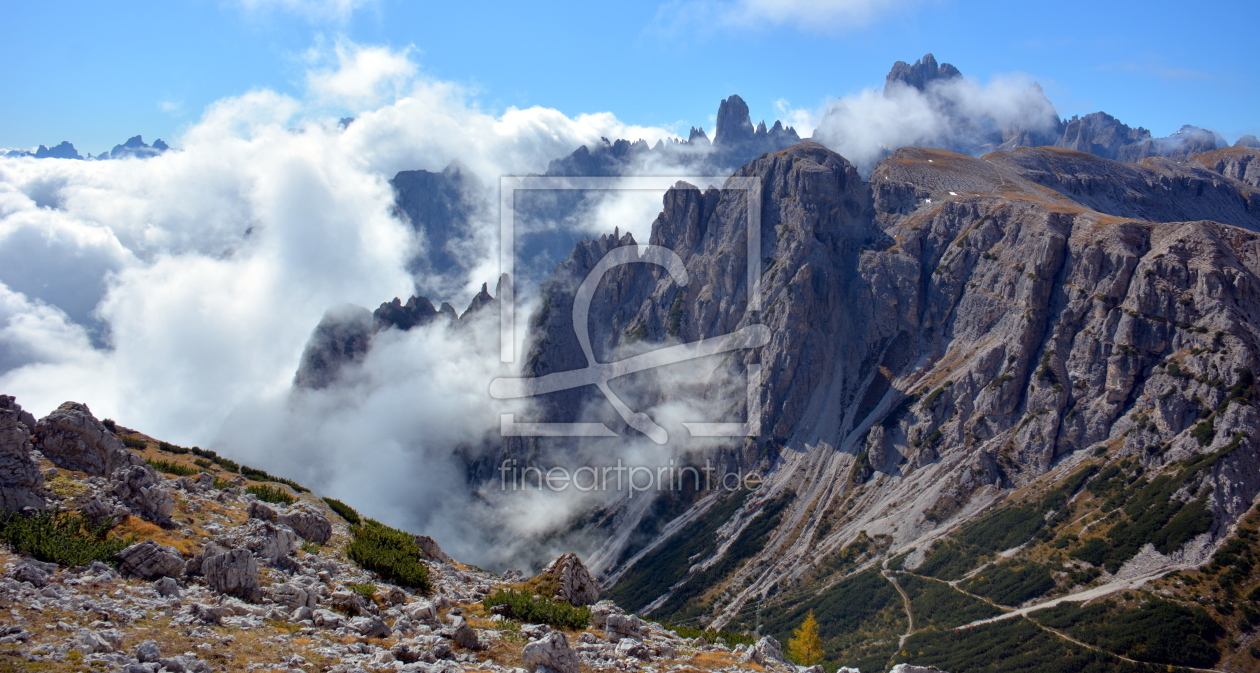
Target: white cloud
x=362 y=76
x=811 y=16
x=334 y=10
x=175 y=294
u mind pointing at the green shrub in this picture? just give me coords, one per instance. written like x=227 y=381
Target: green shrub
x=271 y=494
x=61 y=538
x=1156 y=631
x=260 y=475
x=202 y=463
x=732 y=638
x=110 y=424
x=526 y=607
x=366 y=590
x=390 y=553
x=178 y=469
x=133 y=443
x=171 y=448
x=344 y=511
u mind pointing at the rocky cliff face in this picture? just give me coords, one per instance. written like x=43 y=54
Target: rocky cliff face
x=954 y=336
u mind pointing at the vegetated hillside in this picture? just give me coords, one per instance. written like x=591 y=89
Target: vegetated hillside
x=124 y=553
x=1035 y=336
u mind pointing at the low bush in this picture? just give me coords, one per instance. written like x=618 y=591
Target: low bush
x=133 y=443
x=171 y=448
x=260 y=475
x=366 y=590
x=390 y=553
x=344 y=511
x=713 y=635
x=526 y=607
x=178 y=469
x=59 y=537
x=271 y=494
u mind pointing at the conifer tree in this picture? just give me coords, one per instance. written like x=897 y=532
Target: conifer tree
x=805 y=647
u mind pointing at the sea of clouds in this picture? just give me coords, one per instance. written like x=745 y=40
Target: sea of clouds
x=175 y=294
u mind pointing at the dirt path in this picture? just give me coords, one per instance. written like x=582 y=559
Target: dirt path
x=905 y=601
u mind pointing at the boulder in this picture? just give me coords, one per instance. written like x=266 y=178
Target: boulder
x=234 y=573
x=310 y=524
x=292 y=596
x=167 y=587
x=766 y=651
x=431 y=550
x=139 y=487
x=464 y=635
x=629 y=647
x=148 y=651
x=370 y=627
x=34 y=572
x=105 y=512
x=572 y=581
x=328 y=619
x=20 y=478
x=552 y=652
x=908 y=668
x=261 y=510
x=421 y=611
x=150 y=560
x=617 y=627
x=73 y=439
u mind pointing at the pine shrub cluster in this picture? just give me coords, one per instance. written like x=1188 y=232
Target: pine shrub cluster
x=526 y=607
x=59 y=537
x=271 y=494
x=390 y=553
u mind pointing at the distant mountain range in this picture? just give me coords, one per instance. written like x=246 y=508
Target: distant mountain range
x=134 y=147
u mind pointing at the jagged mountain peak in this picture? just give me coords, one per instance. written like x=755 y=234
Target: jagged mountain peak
x=921 y=74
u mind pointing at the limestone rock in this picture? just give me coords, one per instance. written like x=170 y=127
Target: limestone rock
x=572 y=580
x=167 y=587
x=34 y=572
x=139 y=487
x=150 y=560
x=617 y=627
x=552 y=652
x=907 y=668
x=431 y=550
x=73 y=439
x=310 y=524
x=234 y=573
x=464 y=635
x=370 y=627
x=261 y=510
x=20 y=478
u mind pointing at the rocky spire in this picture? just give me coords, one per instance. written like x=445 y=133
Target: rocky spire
x=923 y=72
x=734 y=125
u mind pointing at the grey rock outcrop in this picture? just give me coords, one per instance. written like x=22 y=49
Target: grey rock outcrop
x=150 y=560
x=73 y=439
x=20 y=477
x=341 y=339
x=139 y=487
x=921 y=74
x=261 y=510
x=573 y=580
x=233 y=572
x=551 y=652
x=308 y=523
x=431 y=549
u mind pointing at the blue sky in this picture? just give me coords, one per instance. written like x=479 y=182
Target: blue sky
x=96 y=73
